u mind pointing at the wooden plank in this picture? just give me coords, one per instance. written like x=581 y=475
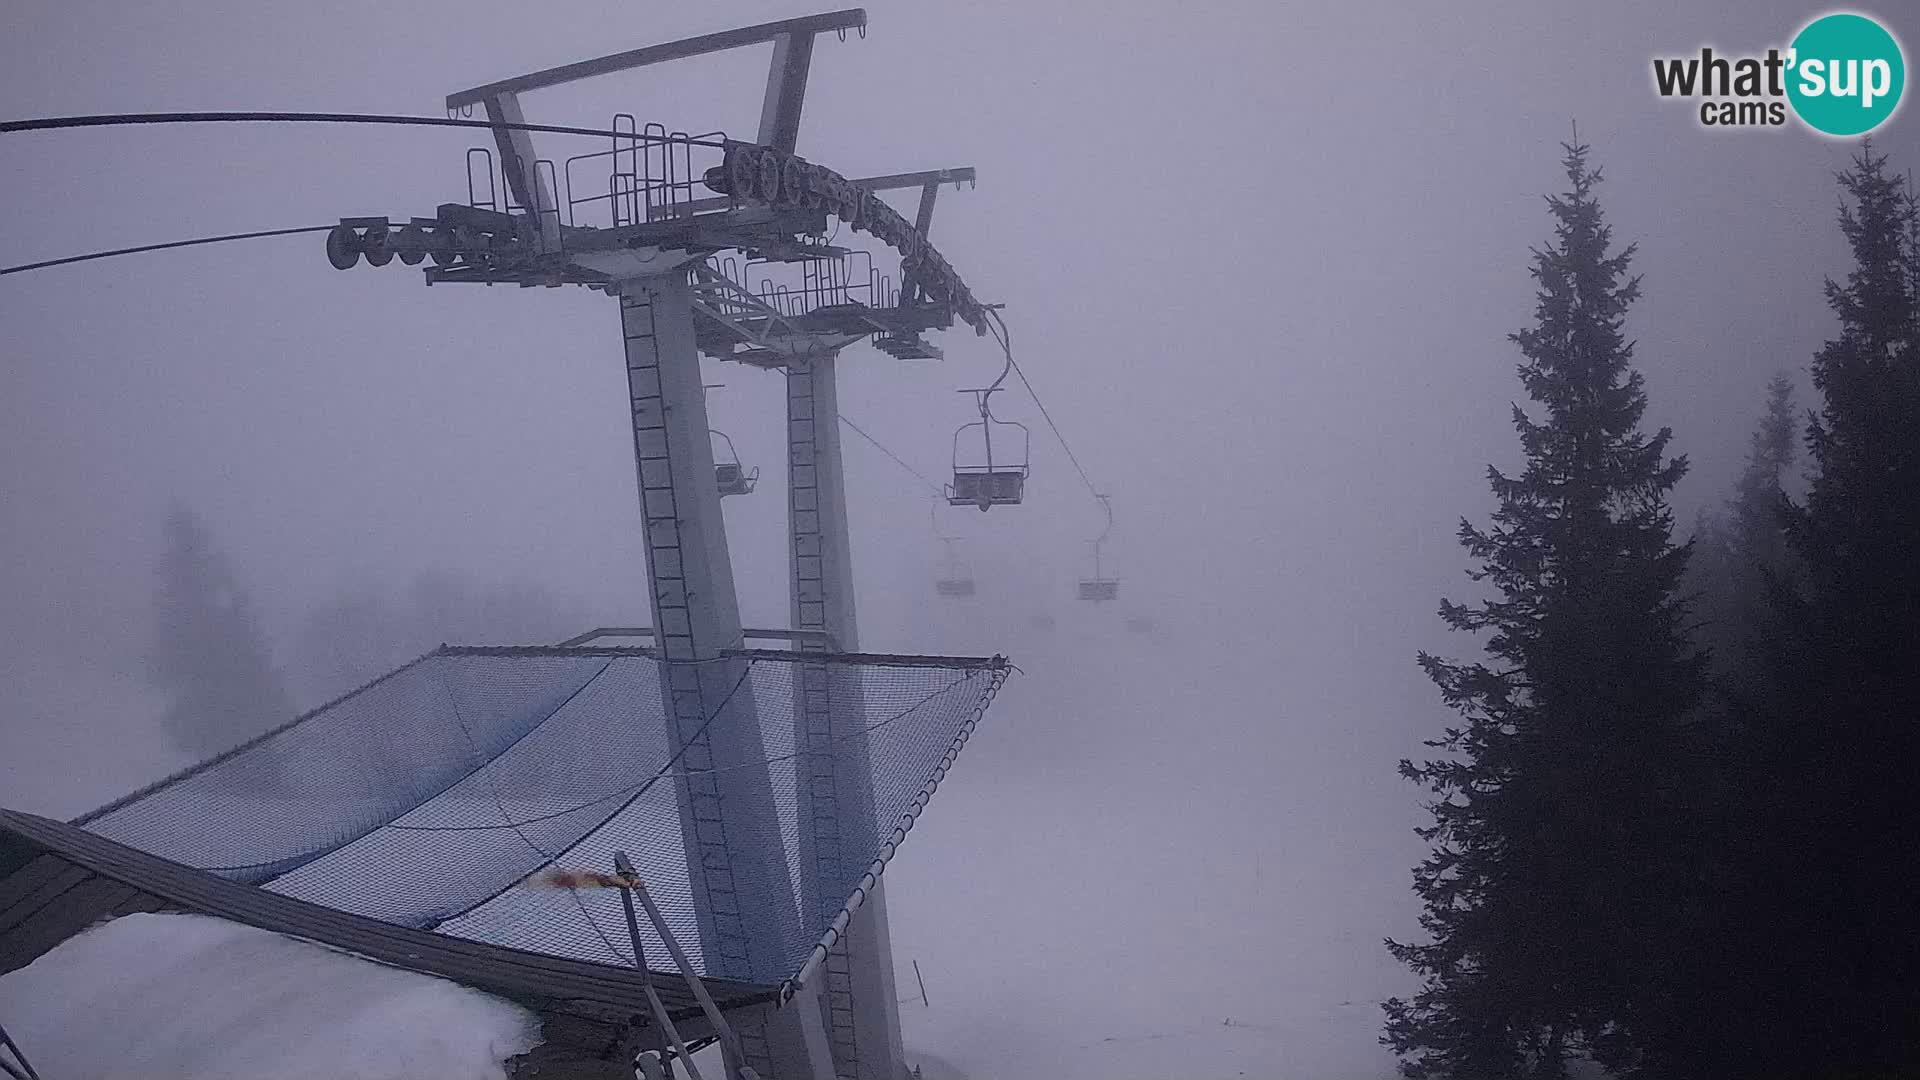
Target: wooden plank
x=47 y=893
x=79 y=908
x=28 y=878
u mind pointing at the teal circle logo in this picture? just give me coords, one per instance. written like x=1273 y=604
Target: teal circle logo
x=1846 y=74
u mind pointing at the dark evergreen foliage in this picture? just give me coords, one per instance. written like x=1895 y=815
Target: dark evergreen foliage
x=1832 y=873
x=1740 y=556
x=1560 y=826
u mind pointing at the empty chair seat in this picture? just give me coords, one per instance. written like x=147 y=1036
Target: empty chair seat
x=987 y=487
x=1099 y=589
x=734 y=480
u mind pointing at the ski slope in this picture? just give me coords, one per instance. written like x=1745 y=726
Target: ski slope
x=1156 y=859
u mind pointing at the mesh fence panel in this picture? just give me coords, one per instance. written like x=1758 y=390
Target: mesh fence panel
x=435 y=796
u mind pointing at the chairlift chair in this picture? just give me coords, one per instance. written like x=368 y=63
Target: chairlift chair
x=984 y=481
x=728 y=473
x=956 y=577
x=1099 y=589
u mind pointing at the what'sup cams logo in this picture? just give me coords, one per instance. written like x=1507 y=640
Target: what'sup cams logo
x=1842 y=76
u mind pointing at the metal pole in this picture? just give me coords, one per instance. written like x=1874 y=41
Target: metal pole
x=6 y=1040
x=838 y=821
x=660 y=1014
x=741 y=896
x=986 y=428
x=636 y=887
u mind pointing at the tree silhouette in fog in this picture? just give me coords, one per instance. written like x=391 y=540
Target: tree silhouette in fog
x=1557 y=798
x=208 y=652
x=1742 y=554
x=1828 y=865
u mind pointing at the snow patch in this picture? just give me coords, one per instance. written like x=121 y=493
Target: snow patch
x=158 y=997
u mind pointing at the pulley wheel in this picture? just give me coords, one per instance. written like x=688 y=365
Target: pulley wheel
x=440 y=246
x=799 y=183
x=374 y=243
x=343 y=247
x=741 y=174
x=769 y=188
x=411 y=245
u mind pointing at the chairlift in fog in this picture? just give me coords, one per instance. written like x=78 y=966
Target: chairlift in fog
x=955 y=579
x=728 y=474
x=980 y=479
x=727 y=471
x=1098 y=589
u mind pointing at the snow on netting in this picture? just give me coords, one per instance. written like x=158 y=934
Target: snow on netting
x=435 y=796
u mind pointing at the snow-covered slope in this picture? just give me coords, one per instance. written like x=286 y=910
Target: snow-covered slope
x=1157 y=859
x=160 y=997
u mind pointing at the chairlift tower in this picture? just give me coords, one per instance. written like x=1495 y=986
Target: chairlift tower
x=673 y=226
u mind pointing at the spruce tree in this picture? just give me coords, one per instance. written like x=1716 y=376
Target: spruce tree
x=1739 y=557
x=1559 y=828
x=208 y=652
x=1833 y=867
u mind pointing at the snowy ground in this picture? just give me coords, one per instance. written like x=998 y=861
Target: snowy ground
x=159 y=997
x=1124 y=878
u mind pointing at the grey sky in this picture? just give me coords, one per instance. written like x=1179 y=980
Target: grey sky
x=1259 y=260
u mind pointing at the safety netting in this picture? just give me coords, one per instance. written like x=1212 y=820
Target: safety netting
x=757 y=793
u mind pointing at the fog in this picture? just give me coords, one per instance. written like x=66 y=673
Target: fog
x=1259 y=261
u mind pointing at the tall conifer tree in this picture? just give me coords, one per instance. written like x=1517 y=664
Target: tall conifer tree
x=1559 y=825
x=1832 y=845
x=1740 y=556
